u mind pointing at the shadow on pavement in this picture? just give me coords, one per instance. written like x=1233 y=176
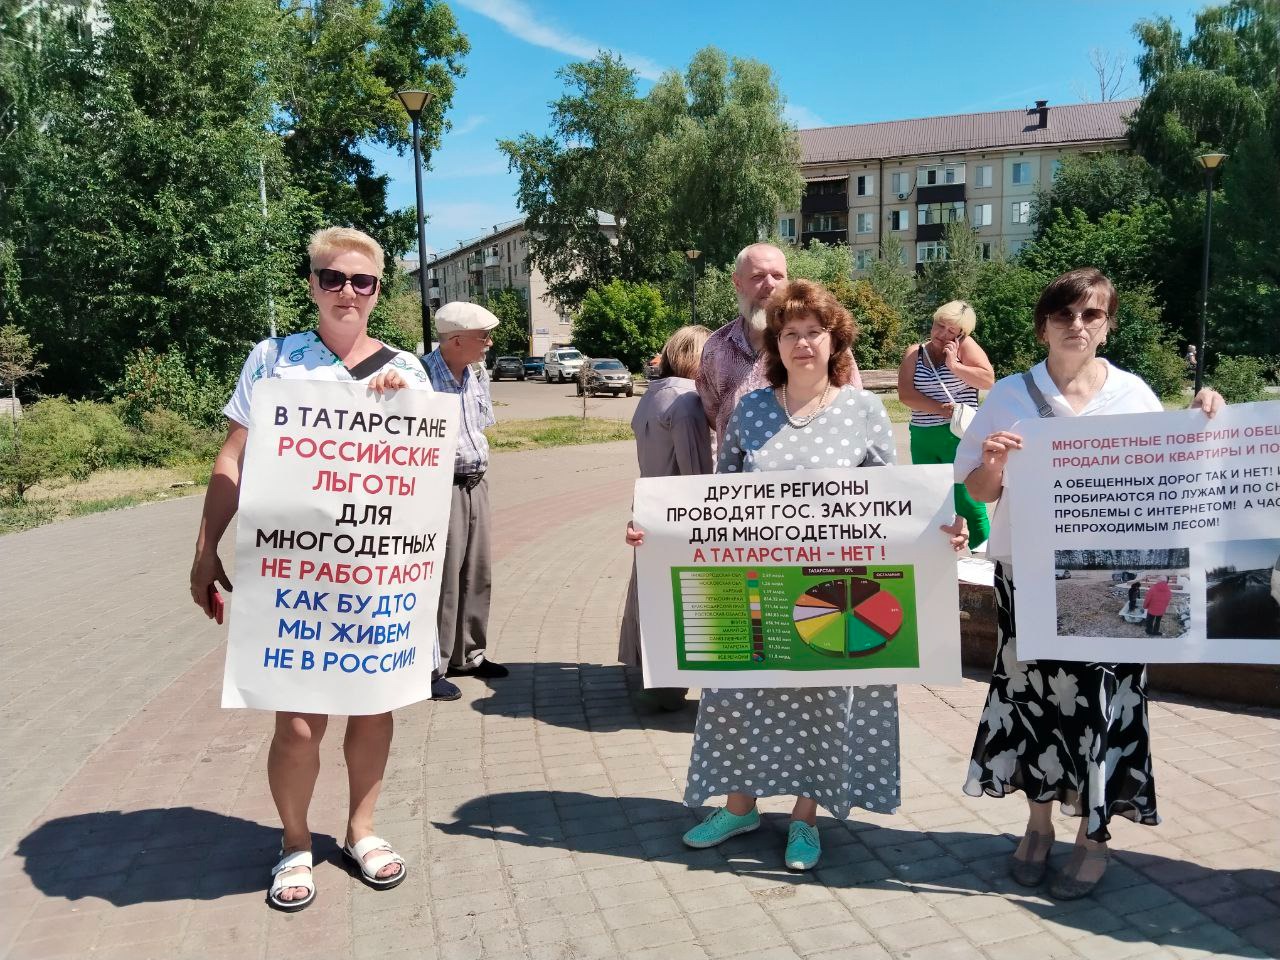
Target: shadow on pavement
x=146 y=856
x=580 y=696
x=1135 y=905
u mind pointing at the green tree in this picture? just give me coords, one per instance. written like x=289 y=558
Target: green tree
x=1210 y=91
x=628 y=321
x=955 y=276
x=895 y=283
x=704 y=161
x=17 y=361
x=511 y=336
x=1004 y=299
x=1095 y=183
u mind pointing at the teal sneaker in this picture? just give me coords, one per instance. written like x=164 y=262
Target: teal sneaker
x=719 y=826
x=803 y=846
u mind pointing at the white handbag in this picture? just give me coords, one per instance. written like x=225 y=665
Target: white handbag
x=962 y=414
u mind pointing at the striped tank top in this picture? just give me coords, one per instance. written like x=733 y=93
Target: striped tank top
x=926 y=381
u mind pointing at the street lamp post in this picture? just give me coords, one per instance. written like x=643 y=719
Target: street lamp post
x=1210 y=162
x=414 y=101
x=693 y=256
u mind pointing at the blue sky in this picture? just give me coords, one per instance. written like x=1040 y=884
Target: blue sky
x=856 y=61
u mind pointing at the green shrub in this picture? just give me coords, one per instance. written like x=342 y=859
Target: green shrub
x=165 y=381
x=50 y=443
x=1240 y=379
x=167 y=439
x=1141 y=344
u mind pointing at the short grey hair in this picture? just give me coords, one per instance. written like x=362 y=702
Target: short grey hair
x=741 y=258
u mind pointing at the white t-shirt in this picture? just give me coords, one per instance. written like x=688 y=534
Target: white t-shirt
x=1008 y=402
x=303 y=356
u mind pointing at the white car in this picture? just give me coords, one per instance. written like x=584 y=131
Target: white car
x=561 y=365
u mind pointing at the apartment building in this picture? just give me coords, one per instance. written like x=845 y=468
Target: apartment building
x=909 y=178
x=498 y=260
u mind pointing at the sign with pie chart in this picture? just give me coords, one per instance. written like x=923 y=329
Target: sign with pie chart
x=847 y=617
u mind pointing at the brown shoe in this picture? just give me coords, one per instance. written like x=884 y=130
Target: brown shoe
x=1030 y=872
x=1067 y=885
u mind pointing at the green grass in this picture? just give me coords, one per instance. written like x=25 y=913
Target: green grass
x=555 y=432
x=898 y=411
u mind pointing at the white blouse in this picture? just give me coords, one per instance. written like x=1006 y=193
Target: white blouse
x=1008 y=402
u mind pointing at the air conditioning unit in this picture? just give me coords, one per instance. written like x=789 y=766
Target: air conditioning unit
x=903 y=196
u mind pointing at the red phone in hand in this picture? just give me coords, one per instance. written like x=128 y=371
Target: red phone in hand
x=216 y=602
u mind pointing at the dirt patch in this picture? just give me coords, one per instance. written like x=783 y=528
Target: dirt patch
x=1087 y=607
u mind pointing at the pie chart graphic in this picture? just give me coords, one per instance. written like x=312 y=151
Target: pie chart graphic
x=848 y=617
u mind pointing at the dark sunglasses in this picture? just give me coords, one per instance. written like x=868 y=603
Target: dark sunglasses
x=332 y=281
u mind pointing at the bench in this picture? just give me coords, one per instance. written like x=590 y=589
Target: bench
x=879 y=381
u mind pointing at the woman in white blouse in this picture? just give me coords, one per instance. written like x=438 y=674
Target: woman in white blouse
x=1060 y=730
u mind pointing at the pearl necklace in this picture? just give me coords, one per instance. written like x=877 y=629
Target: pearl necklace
x=804 y=421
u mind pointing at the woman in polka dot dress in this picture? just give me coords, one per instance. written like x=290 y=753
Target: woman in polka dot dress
x=831 y=746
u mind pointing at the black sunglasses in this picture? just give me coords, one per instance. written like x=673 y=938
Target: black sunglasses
x=332 y=281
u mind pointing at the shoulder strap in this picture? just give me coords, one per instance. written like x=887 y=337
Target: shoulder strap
x=1042 y=405
x=924 y=352
x=273 y=354
x=372 y=364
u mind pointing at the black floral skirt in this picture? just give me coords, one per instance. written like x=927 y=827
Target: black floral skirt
x=1061 y=730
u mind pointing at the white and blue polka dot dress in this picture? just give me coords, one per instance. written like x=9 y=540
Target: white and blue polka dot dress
x=835 y=745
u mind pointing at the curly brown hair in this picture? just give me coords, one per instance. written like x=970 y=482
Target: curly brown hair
x=804 y=298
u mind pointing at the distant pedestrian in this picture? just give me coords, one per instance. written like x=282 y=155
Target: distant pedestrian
x=672 y=440
x=732 y=364
x=1192 y=360
x=1156 y=604
x=467 y=578
x=1135 y=592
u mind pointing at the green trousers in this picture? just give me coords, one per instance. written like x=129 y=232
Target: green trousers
x=938 y=445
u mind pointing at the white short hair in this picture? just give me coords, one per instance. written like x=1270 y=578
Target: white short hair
x=741 y=258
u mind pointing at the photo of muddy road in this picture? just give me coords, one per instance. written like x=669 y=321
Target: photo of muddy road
x=1126 y=594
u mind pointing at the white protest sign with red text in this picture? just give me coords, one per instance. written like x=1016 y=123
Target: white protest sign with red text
x=1148 y=538
x=344 y=511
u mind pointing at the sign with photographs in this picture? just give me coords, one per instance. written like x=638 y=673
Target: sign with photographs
x=1148 y=538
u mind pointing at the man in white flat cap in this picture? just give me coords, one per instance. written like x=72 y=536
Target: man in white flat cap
x=464 y=333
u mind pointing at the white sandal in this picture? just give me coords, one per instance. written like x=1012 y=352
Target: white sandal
x=279 y=882
x=357 y=852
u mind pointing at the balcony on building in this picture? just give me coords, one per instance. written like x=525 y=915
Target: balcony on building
x=828 y=237
x=474 y=262
x=942 y=193
x=492 y=257
x=826 y=195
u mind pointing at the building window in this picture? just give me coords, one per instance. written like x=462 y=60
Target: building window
x=1020 y=211
x=1015 y=247
x=985 y=250
x=983 y=175
x=1021 y=172
x=1054 y=167
x=866 y=222
x=982 y=215
x=927 y=213
x=863 y=259
x=901 y=186
x=787 y=229
x=900 y=220
x=826 y=222
x=866 y=185
x=928 y=252
x=943 y=173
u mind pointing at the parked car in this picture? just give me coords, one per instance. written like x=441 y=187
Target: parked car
x=1060 y=573
x=561 y=365
x=606 y=376
x=533 y=366
x=512 y=367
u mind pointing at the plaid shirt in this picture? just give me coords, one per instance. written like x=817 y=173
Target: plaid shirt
x=730 y=370
x=477 y=413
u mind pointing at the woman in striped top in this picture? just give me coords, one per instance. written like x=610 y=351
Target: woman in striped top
x=946 y=369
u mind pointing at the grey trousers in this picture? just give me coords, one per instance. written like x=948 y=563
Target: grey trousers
x=466 y=581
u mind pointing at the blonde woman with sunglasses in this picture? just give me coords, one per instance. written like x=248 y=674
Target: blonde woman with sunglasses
x=346 y=276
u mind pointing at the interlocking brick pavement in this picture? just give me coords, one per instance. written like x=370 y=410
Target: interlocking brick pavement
x=540 y=815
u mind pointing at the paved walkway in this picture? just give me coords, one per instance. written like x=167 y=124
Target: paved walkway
x=541 y=817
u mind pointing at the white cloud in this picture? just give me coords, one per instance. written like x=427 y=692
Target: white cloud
x=518 y=19
x=802 y=117
x=467 y=125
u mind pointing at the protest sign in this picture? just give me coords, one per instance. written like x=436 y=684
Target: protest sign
x=1118 y=521
x=798 y=579
x=344 y=511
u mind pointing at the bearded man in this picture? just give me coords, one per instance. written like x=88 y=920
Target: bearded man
x=731 y=360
